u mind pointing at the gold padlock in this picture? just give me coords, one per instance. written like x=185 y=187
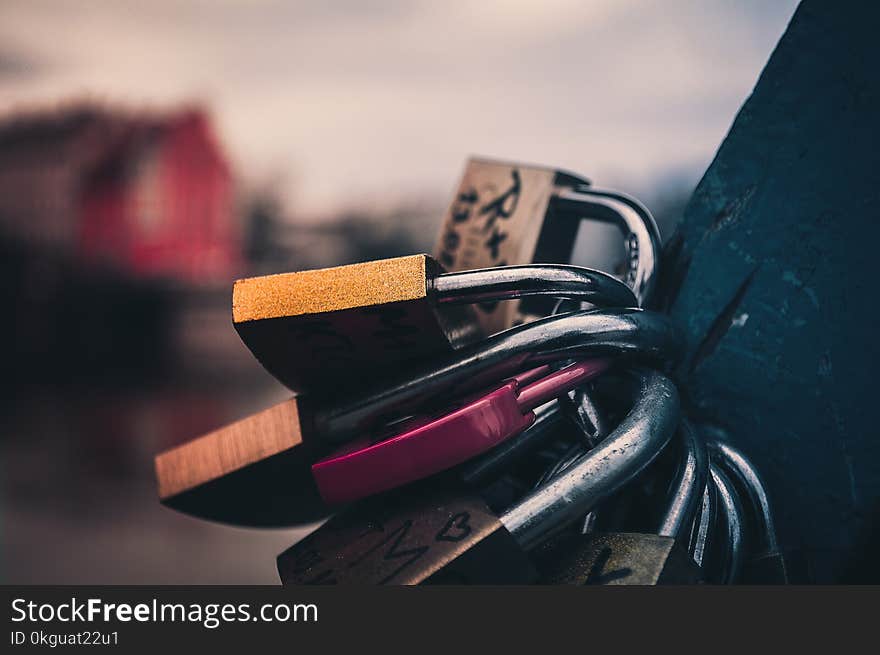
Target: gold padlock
x=316 y=330
x=332 y=328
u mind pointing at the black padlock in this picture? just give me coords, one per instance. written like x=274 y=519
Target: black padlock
x=407 y=538
x=627 y=558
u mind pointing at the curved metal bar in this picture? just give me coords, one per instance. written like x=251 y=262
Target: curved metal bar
x=581 y=409
x=619 y=458
x=739 y=466
x=689 y=485
x=510 y=282
x=730 y=510
x=701 y=539
x=589 y=421
x=617 y=332
x=642 y=238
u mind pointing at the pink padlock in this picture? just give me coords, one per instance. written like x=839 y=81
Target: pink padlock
x=424 y=446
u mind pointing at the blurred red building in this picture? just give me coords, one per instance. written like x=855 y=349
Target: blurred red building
x=148 y=195
x=118 y=241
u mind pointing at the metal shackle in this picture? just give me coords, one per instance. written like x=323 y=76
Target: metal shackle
x=615 y=332
x=688 y=486
x=581 y=408
x=591 y=426
x=602 y=471
x=704 y=526
x=737 y=465
x=729 y=545
x=511 y=282
x=687 y=490
x=641 y=236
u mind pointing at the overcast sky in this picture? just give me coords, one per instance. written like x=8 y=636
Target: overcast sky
x=356 y=101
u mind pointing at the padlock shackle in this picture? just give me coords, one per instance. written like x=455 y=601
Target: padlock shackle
x=744 y=472
x=642 y=237
x=580 y=407
x=619 y=332
x=689 y=485
x=602 y=471
x=559 y=382
x=732 y=540
x=511 y=282
x=703 y=531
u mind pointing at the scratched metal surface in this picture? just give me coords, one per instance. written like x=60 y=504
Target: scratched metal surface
x=773 y=276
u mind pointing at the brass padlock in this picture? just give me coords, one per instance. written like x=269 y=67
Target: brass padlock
x=322 y=328
x=325 y=330
x=625 y=558
x=407 y=537
x=371 y=543
x=508 y=213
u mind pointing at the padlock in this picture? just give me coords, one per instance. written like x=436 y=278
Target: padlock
x=257 y=471
x=401 y=538
x=765 y=563
x=424 y=446
x=507 y=213
x=627 y=558
x=724 y=559
x=322 y=330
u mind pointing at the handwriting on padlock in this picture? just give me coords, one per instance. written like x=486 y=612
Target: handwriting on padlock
x=510 y=214
x=384 y=550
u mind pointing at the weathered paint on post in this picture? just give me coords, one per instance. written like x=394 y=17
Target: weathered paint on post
x=773 y=275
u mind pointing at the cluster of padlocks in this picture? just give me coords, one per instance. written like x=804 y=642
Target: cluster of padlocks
x=478 y=417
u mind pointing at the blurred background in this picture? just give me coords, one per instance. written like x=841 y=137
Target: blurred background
x=151 y=153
